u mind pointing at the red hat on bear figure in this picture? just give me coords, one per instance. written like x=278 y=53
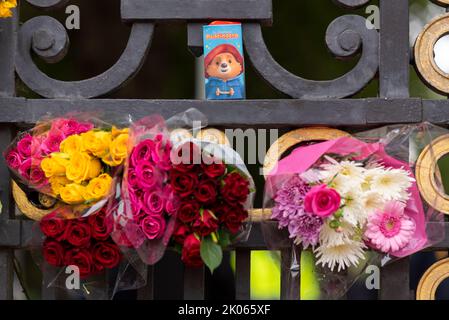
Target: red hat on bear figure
x=224 y=48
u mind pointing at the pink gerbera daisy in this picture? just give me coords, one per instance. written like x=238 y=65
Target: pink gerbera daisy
x=390 y=230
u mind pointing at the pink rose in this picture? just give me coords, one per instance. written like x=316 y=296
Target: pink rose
x=25 y=169
x=37 y=176
x=161 y=154
x=172 y=203
x=142 y=153
x=154 y=202
x=13 y=159
x=322 y=201
x=24 y=146
x=69 y=127
x=146 y=175
x=136 y=204
x=52 y=142
x=153 y=226
x=84 y=127
x=133 y=179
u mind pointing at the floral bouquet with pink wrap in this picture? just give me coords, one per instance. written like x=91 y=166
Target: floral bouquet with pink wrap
x=353 y=202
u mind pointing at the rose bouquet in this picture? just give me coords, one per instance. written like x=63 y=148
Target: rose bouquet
x=352 y=202
x=145 y=219
x=214 y=198
x=69 y=159
x=83 y=242
x=195 y=193
x=79 y=257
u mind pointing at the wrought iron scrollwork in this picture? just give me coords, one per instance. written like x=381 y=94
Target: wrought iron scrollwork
x=47 y=4
x=346 y=36
x=48 y=38
x=351 y=3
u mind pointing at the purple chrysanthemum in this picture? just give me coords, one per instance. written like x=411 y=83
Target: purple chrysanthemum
x=306 y=229
x=289 y=201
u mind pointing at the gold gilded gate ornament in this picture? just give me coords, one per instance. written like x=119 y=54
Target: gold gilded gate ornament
x=292 y=138
x=28 y=208
x=431 y=279
x=424 y=53
x=426 y=173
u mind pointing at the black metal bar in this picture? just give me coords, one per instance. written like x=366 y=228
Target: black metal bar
x=394 y=55
x=194 y=283
x=286 y=275
x=194 y=10
x=147 y=292
x=8 y=33
x=242 y=274
x=395 y=281
x=244 y=113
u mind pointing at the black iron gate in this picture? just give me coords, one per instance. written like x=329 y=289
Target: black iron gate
x=384 y=53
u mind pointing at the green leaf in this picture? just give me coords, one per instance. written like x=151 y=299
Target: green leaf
x=224 y=238
x=211 y=254
x=177 y=248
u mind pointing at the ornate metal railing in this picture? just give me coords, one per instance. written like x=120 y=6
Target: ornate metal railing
x=383 y=53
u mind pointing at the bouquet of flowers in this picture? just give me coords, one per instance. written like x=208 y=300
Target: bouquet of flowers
x=145 y=219
x=347 y=198
x=79 y=257
x=69 y=159
x=75 y=159
x=181 y=187
x=213 y=204
x=83 y=242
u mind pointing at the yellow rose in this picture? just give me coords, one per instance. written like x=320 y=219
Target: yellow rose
x=71 y=144
x=118 y=150
x=55 y=165
x=73 y=193
x=98 y=187
x=82 y=167
x=58 y=182
x=96 y=142
x=115 y=131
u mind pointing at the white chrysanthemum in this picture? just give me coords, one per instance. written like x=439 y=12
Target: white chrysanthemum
x=392 y=184
x=353 y=212
x=341 y=256
x=369 y=175
x=371 y=201
x=330 y=237
x=344 y=176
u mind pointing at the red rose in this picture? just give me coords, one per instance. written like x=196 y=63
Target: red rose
x=53 y=252
x=191 y=252
x=180 y=233
x=78 y=233
x=53 y=227
x=81 y=258
x=235 y=188
x=101 y=226
x=183 y=183
x=188 y=211
x=206 y=224
x=206 y=192
x=186 y=157
x=213 y=169
x=106 y=254
x=232 y=217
